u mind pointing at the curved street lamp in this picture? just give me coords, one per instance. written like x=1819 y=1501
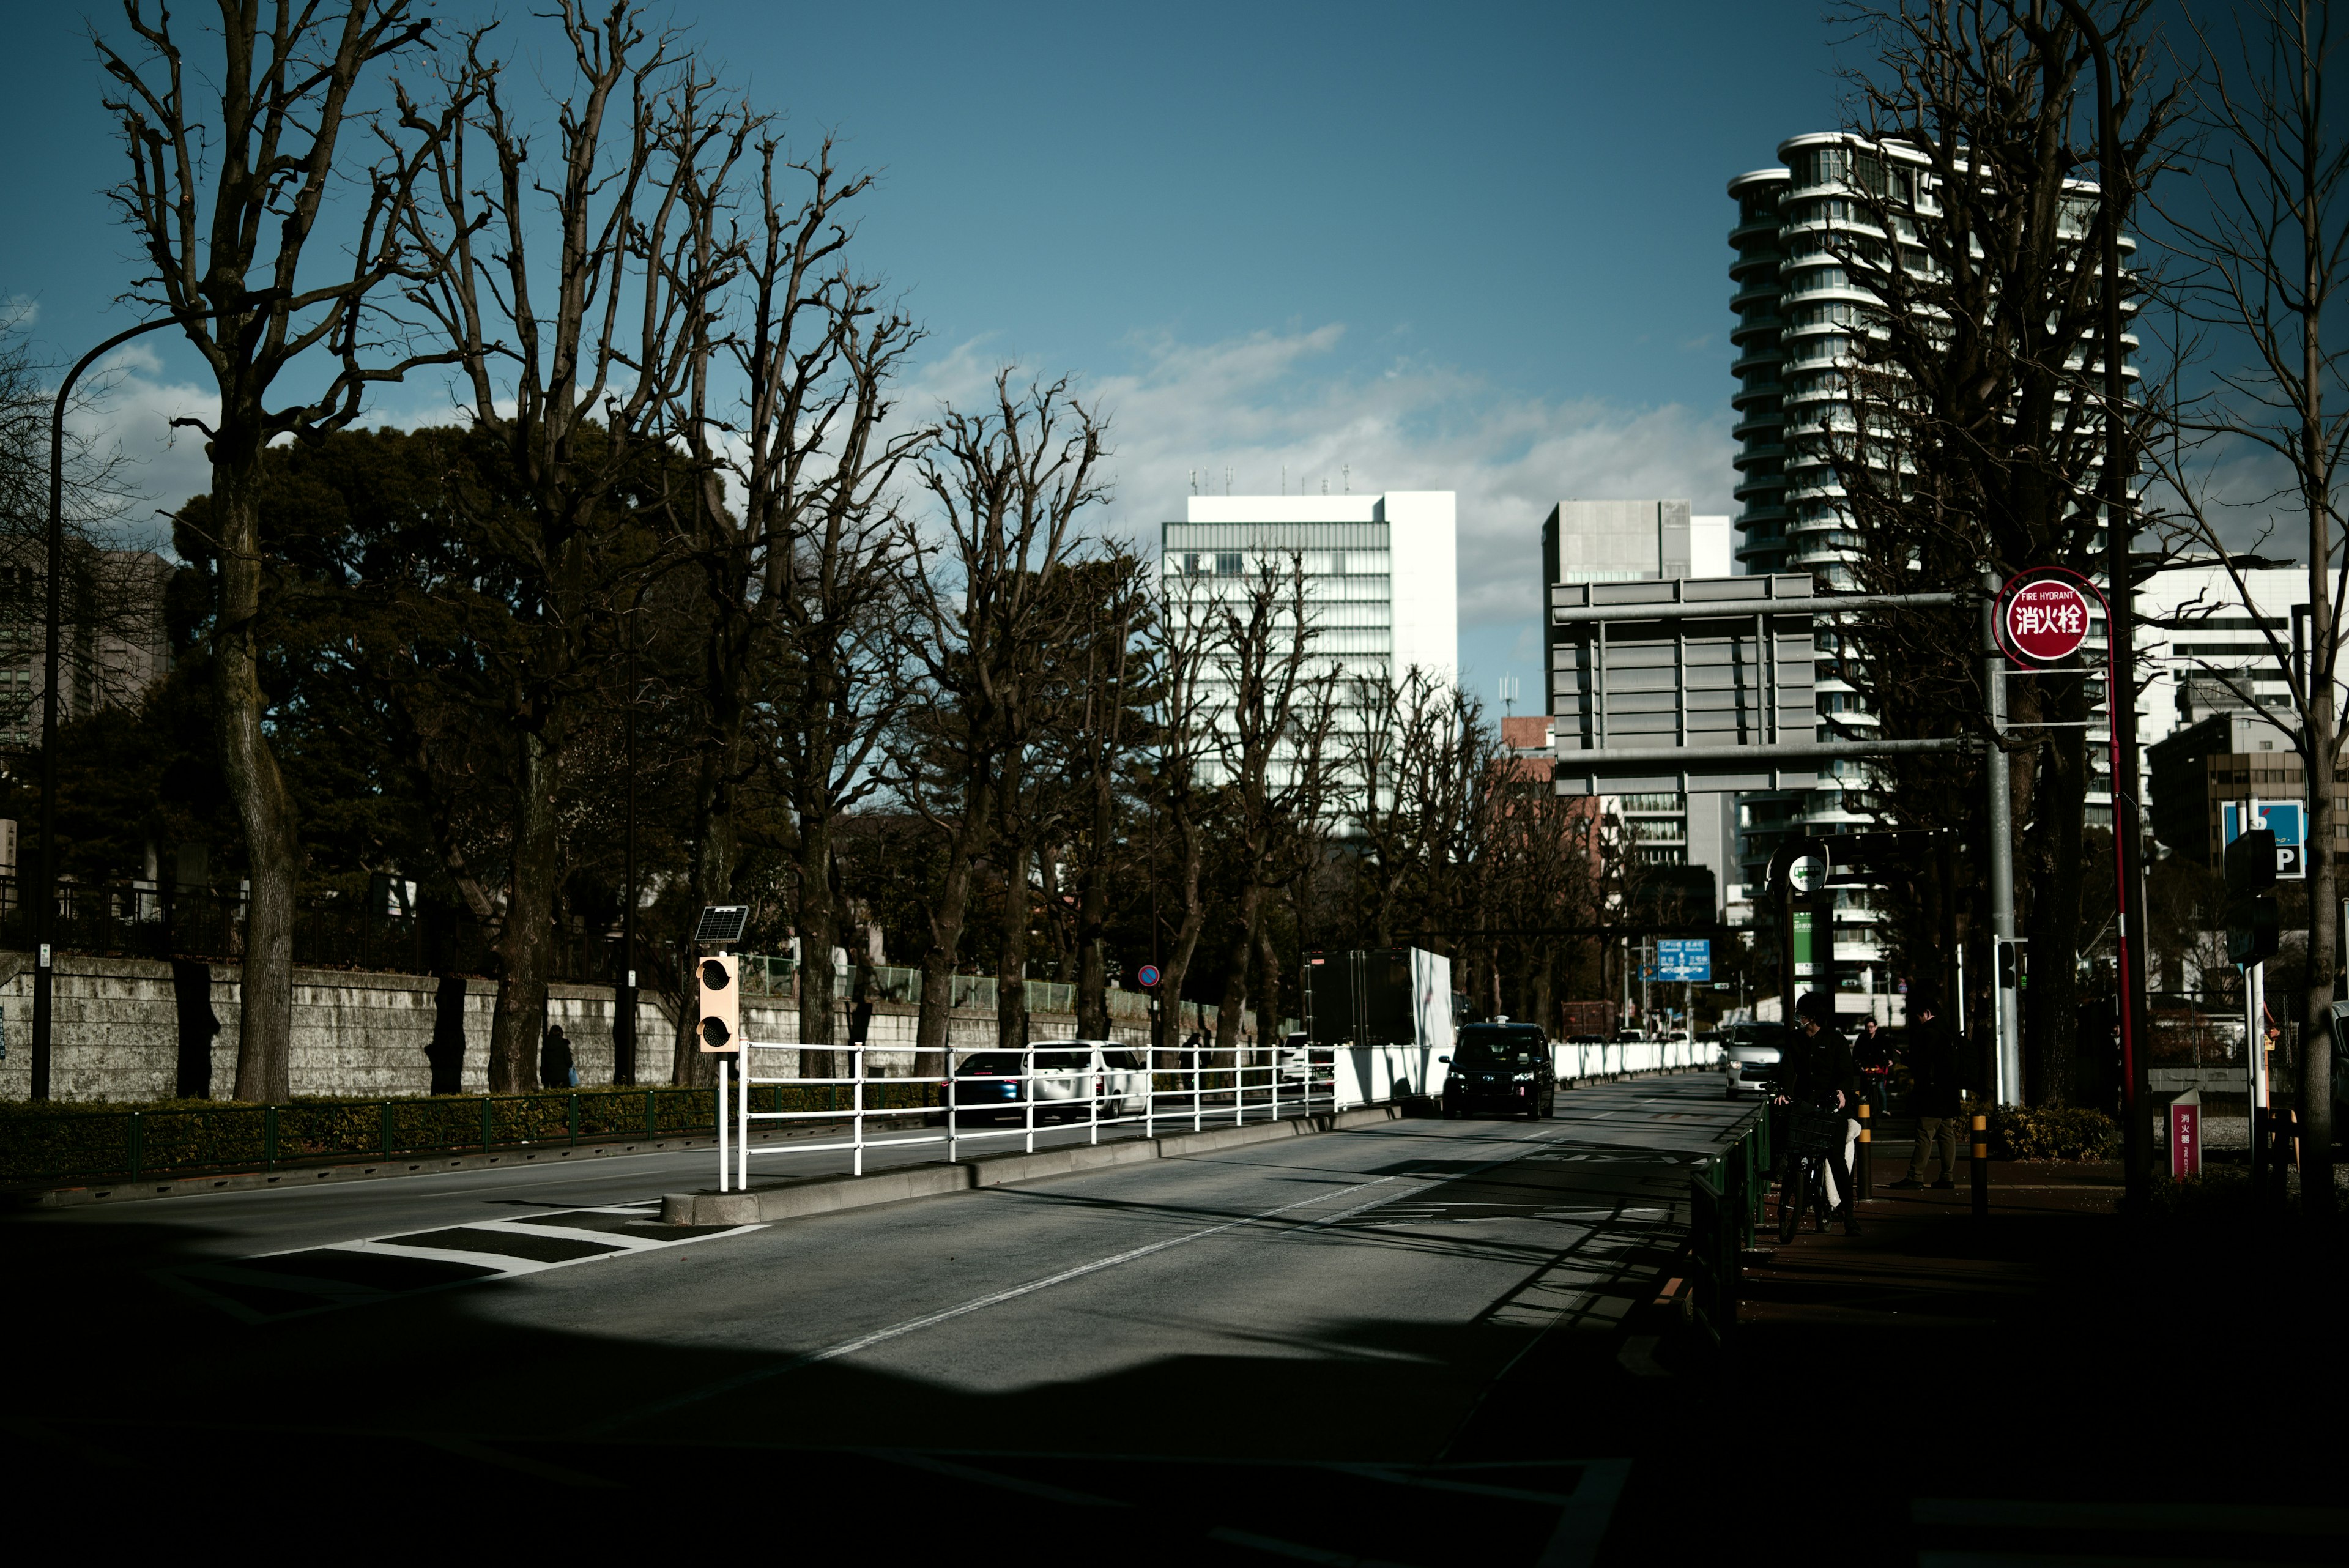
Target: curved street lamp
x=44 y=888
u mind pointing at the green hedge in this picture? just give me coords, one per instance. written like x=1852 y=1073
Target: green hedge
x=48 y=1143
x=2050 y=1132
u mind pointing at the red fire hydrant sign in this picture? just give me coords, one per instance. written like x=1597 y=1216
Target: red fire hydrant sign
x=2045 y=619
x=2185 y=1135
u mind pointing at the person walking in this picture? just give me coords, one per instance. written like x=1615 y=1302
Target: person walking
x=554 y=1071
x=1934 y=1096
x=1871 y=1052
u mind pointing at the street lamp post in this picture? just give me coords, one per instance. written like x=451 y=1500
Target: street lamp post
x=44 y=886
x=2120 y=628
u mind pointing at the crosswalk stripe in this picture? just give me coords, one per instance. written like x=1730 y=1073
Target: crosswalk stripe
x=247 y=1288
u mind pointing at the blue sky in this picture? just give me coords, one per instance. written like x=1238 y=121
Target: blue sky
x=1470 y=247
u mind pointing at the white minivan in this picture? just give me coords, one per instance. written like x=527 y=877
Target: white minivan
x=1065 y=1075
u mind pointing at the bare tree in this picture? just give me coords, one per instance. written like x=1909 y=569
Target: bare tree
x=224 y=210
x=1109 y=671
x=1179 y=784
x=1009 y=481
x=1274 y=710
x=575 y=336
x=1974 y=408
x=804 y=574
x=2267 y=246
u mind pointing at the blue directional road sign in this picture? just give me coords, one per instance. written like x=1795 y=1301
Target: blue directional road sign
x=1684 y=959
x=2285 y=818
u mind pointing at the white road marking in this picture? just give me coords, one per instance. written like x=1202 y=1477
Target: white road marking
x=332 y=1293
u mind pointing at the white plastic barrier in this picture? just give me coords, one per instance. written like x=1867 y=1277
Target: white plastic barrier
x=1367 y=1075
x=1576 y=1060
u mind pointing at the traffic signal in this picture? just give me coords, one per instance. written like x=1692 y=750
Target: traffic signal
x=721 y=1002
x=2253 y=928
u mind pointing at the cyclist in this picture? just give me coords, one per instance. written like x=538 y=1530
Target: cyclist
x=1818 y=1072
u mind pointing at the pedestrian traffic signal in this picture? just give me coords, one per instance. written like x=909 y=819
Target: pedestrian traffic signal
x=721 y=1002
x=2252 y=863
x=2254 y=930
x=2253 y=926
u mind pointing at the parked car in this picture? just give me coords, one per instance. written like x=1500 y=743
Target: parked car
x=1749 y=1058
x=1504 y=1067
x=1066 y=1076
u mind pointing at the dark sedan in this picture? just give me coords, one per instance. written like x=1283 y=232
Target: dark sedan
x=1500 y=1067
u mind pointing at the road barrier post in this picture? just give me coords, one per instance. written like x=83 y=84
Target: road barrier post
x=725 y=1171
x=1981 y=1166
x=1865 y=1176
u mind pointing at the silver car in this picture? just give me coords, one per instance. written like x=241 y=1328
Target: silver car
x=1065 y=1075
x=1749 y=1058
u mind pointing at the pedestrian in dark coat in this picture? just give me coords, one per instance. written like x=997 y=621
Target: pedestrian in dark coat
x=1933 y=1095
x=554 y=1060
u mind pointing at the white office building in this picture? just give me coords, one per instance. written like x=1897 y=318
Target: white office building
x=1382 y=578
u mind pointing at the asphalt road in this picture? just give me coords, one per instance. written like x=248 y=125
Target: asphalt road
x=1357 y=1299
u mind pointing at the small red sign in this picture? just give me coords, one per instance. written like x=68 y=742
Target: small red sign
x=2185 y=1139
x=2045 y=619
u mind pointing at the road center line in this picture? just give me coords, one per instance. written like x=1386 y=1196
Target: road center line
x=980 y=1304
x=931 y=1320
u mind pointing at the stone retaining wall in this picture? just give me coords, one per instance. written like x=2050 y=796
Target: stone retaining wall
x=117 y=1031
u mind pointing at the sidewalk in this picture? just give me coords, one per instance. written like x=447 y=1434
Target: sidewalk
x=1922 y=1260
x=2052 y=1382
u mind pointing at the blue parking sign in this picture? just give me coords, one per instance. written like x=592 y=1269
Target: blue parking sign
x=1688 y=959
x=2285 y=818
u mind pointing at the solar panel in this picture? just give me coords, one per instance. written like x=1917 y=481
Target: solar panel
x=722 y=924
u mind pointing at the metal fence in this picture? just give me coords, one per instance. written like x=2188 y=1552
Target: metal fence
x=1726 y=1195
x=1140 y=1089
x=167 y=919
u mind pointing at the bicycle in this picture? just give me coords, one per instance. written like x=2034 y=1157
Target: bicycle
x=1811 y=1135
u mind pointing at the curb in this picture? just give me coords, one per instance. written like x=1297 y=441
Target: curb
x=830 y=1194
x=378 y=1169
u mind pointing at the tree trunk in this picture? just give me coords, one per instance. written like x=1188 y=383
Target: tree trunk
x=1092 y=959
x=1011 y=948
x=526 y=945
x=712 y=880
x=1166 y=1029
x=2323 y=877
x=931 y=1035
x=2050 y=999
x=263 y=809
x=819 y=929
x=1268 y=993
x=1236 y=983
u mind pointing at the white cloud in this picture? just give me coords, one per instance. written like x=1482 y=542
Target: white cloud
x=1269 y=400
x=128 y=404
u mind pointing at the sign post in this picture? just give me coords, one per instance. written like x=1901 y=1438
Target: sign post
x=2186 y=1134
x=2043 y=621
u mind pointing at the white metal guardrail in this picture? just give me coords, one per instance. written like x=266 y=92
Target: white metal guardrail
x=1179 y=1088
x=1110 y=1087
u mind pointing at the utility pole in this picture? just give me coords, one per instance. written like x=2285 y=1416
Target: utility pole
x=624 y=995
x=2006 y=1020
x=2129 y=848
